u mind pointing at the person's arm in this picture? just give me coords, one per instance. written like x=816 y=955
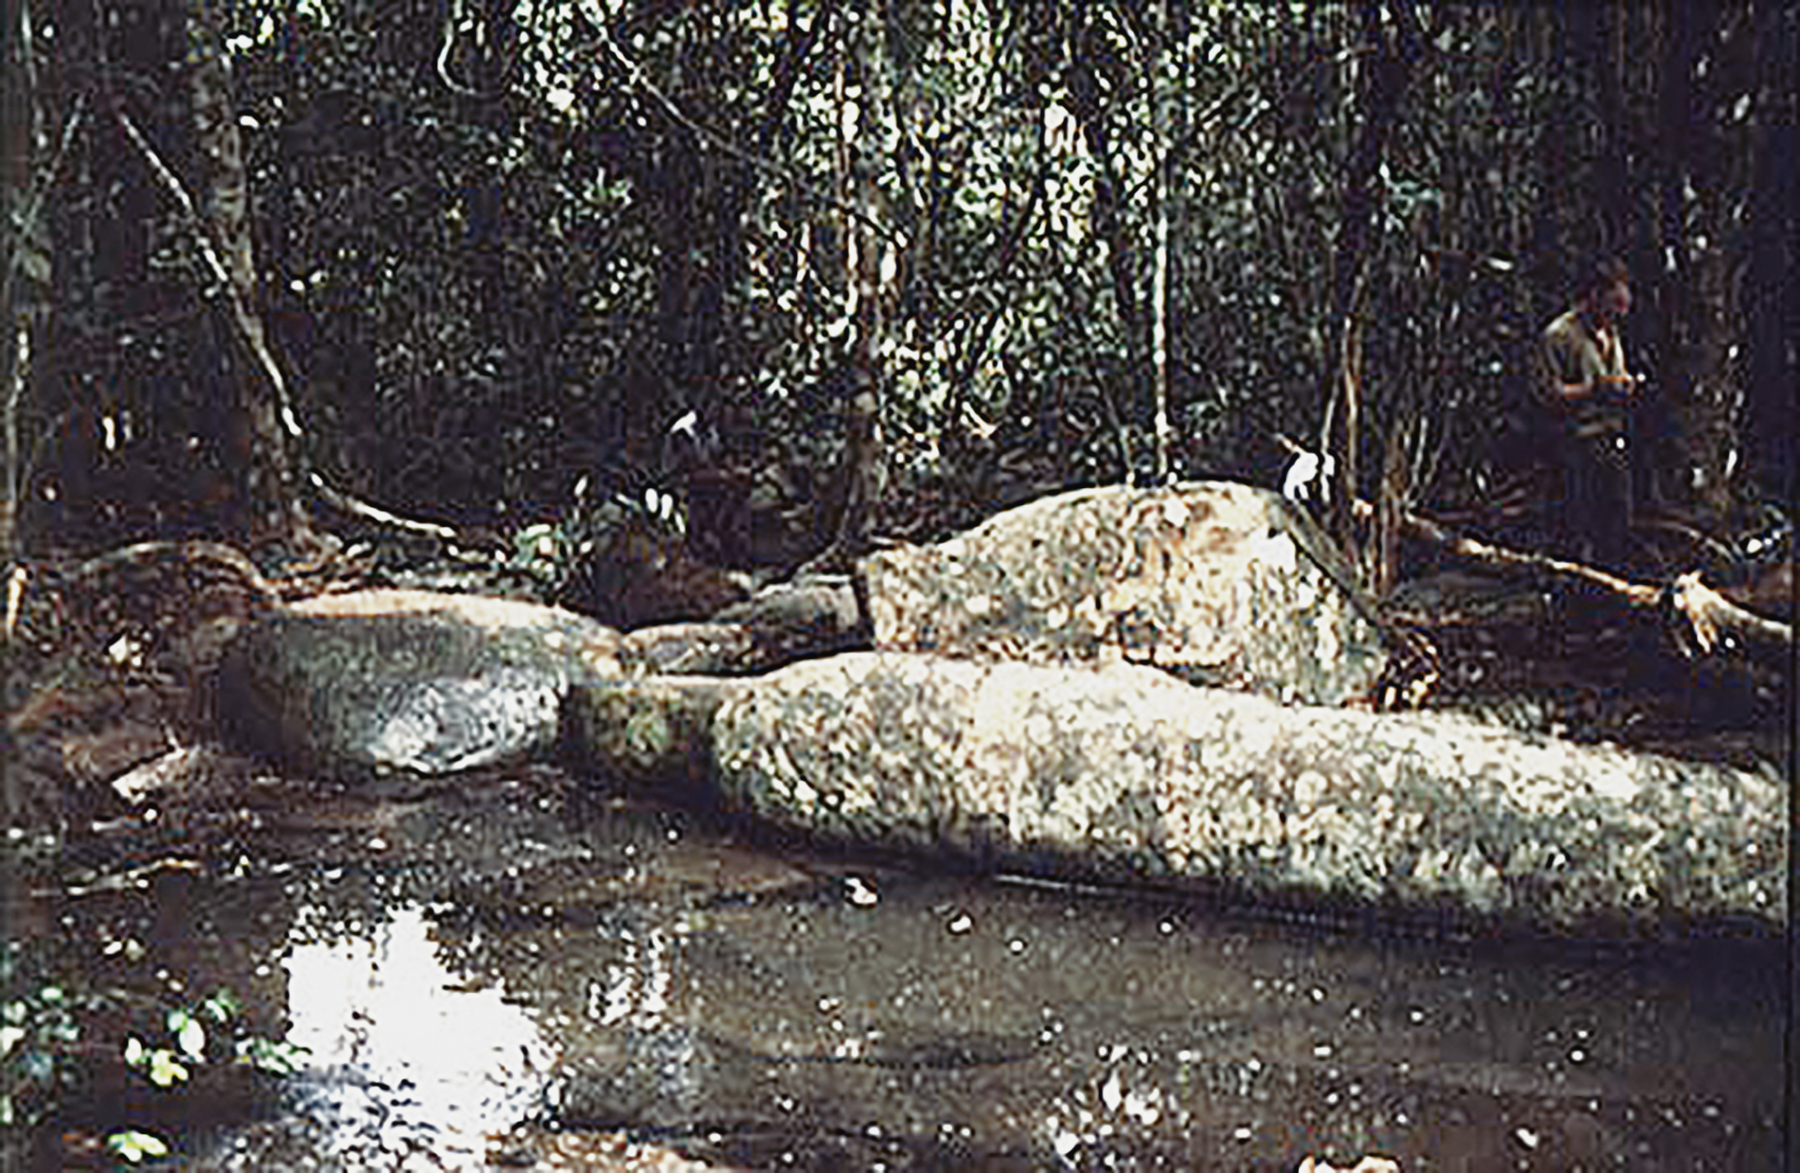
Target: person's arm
x=1623 y=386
x=1559 y=369
x=1565 y=377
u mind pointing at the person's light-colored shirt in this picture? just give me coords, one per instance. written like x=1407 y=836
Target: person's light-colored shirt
x=1581 y=372
x=1577 y=353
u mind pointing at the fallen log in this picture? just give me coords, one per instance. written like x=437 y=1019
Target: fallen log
x=1709 y=616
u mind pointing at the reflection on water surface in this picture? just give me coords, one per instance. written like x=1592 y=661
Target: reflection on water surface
x=515 y=974
x=435 y=1056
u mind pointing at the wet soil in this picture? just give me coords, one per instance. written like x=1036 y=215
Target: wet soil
x=517 y=970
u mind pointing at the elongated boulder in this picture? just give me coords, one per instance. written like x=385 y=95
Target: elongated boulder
x=1218 y=583
x=1127 y=774
x=415 y=682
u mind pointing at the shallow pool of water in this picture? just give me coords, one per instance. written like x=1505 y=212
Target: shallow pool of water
x=506 y=972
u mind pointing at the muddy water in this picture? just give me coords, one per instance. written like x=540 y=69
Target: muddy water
x=519 y=974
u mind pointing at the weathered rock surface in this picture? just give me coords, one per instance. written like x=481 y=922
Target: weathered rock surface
x=379 y=682
x=780 y=624
x=689 y=649
x=1079 y=764
x=1218 y=583
x=1127 y=774
x=811 y=616
x=653 y=733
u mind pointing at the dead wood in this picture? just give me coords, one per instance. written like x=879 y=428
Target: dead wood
x=355 y=507
x=1709 y=618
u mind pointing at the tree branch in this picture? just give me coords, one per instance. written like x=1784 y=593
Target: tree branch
x=635 y=73
x=345 y=503
x=221 y=286
x=1710 y=617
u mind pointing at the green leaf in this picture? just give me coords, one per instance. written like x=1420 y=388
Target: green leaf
x=133 y=1146
x=165 y=1070
x=277 y=1057
x=190 y=1036
x=36 y=264
x=222 y=1006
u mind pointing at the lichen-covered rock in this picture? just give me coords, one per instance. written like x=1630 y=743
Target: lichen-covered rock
x=378 y=682
x=652 y=734
x=780 y=624
x=689 y=649
x=1217 y=583
x=1127 y=774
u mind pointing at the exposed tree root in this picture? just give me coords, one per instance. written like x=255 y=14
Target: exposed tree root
x=217 y=555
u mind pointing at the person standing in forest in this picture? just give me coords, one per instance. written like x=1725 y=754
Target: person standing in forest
x=1583 y=381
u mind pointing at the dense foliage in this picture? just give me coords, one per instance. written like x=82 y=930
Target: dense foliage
x=502 y=247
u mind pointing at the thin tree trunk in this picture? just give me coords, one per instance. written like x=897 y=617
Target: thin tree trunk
x=26 y=256
x=265 y=434
x=1381 y=93
x=1774 y=281
x=1159 y=288
x=860 y=475
x=1390 y=504
x=1085 y=94
x=1697 y=310
x=26 y=259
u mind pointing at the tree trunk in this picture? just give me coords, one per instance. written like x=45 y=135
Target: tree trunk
x=1774 y=280
x=861 y=474
x=1598 y=35
x=27 y=258
x=1086 y=94
x=24 y=288
x=1383 y=87
x=264 y=435
x=1159 y=288
x=1699 y=309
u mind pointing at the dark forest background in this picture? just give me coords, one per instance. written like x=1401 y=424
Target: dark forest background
x=472 y=260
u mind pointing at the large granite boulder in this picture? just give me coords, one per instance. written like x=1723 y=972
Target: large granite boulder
x=412 y=682
x=1218 y=583
x=1127 y=774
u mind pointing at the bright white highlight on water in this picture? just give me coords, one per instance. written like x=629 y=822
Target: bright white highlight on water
x=402 y=1048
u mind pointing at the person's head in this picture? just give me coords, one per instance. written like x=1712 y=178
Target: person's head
x=1604 y=288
